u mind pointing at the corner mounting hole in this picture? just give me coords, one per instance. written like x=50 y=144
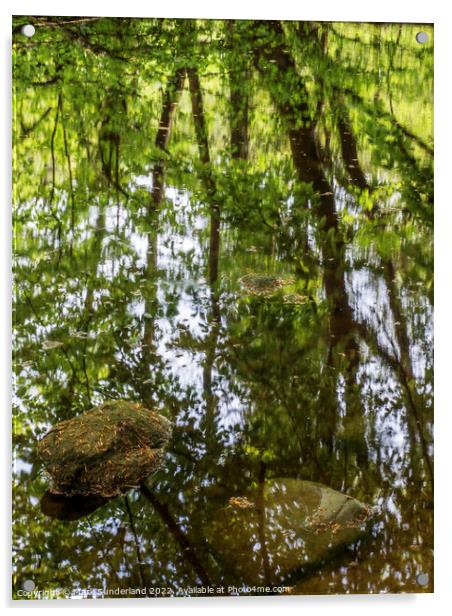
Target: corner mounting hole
x=422 y=579
x=422 y=37
x=28 y=30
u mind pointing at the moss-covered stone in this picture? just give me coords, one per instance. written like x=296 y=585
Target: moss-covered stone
x=284 y=526
x=105 y=451
x=263 y=285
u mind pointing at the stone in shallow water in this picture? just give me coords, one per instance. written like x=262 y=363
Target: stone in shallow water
x=263 y=285
x=105 y=451
x=287 y=525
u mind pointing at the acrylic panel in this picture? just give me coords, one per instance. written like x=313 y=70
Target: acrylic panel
x=223 y=307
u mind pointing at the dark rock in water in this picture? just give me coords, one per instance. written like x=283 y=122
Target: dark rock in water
x=285 y=526
x=106 y=451
x=70 y=507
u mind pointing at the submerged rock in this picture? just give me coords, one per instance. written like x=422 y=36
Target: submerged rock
x=70 y=508
x=106 y=451
x=287 y=525
x=259 y=284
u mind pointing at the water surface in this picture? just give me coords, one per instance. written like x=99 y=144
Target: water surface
x=157 y=163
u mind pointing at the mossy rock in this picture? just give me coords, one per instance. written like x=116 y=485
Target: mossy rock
x=105 y=451
x=283 y=528
x=263 y=285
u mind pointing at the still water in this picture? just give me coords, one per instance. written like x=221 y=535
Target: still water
x=230 y=223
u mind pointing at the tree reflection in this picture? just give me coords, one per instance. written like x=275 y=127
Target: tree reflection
x=157 y=162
